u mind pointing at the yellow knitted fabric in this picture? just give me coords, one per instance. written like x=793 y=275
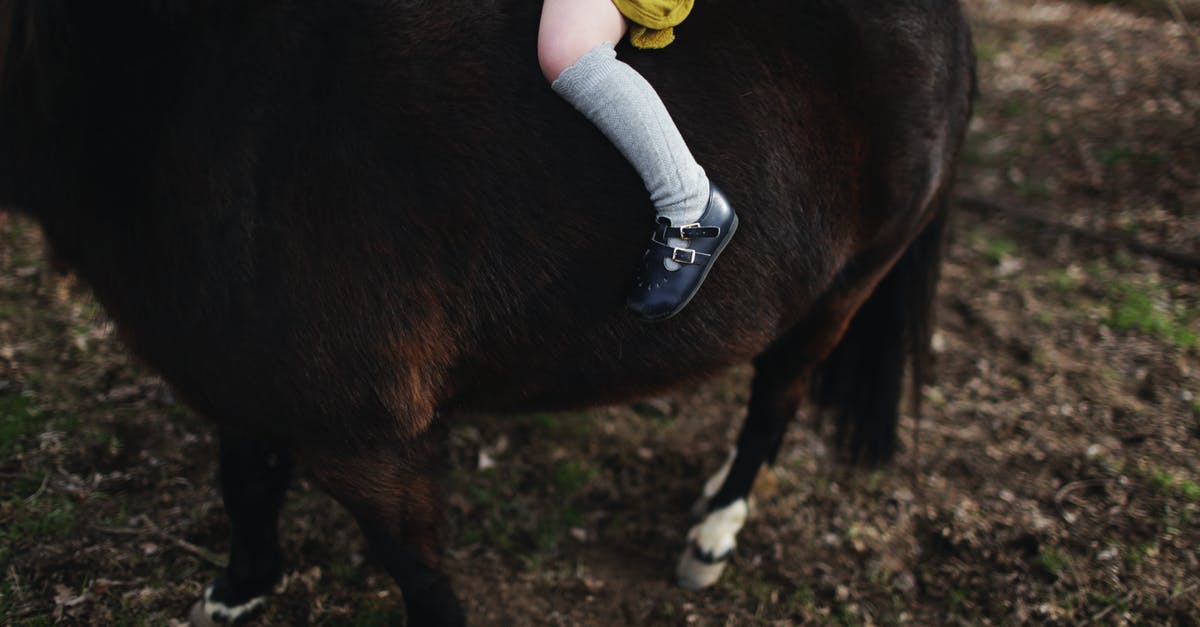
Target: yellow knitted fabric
x=653 y=20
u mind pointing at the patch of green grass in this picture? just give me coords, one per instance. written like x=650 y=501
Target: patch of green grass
x=517 y=524
x=560 y=425
x=1064 y=281
x=1131 y=228
x=52 y=521
x=1106 y=600
x=1012 y=108
x=542 y=422
x=1176 y=519
x=346 y=573
x=1162 y=480
x=997 y=249
x=800 y=600
x=1123 y=261
x=1114 y=155
x=17 y=421
x=21 y=485
x=1053 y=560
x=758 y=590
x=377 y=613
x=1165 y=482
x=67 y=423
x=1054 y=52
x=45 y=520
x=552 y=527
x=751 y=587
x=993 y=248
x=495 y=519
x=570 y=477
x=1125 y=154
x=843 y=615
x=956 y=600
x=986 y=51
x=880 y=577
x=1135 y=309
x=1195 y=406
x=1034 y=190
x=973 y=151
x=5 y=596
x=1138 y=554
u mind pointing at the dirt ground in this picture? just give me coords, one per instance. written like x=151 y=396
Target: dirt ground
x=1056 y=479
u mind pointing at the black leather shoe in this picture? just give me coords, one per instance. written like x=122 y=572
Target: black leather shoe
x=659 y=293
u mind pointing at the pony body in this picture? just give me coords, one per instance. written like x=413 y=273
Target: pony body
x=328 y=223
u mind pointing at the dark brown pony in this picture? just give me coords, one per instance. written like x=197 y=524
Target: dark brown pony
x=329 y=223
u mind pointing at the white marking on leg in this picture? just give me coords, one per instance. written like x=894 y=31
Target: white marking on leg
x=713 y=484
x=209 y=613
x=710 y=544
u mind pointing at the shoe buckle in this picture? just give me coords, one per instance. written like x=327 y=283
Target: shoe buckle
x=683 y=255
x=684 y=229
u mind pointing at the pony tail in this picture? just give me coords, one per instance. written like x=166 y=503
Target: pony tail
x=861 y=382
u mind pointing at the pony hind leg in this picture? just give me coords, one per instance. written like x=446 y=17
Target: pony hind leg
x=780 y=384
x=393 y=493
x=776 y=393
x=781 y=377
x=253 y=477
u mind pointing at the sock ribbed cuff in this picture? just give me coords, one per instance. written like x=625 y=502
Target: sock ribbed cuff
x=586 y=73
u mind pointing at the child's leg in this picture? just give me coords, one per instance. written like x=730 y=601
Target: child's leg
x=575 y=51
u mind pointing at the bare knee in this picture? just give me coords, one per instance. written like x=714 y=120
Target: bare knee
x=570 y=29
x=557 y=53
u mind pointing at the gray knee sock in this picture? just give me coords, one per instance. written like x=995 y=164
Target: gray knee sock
x=629 y=112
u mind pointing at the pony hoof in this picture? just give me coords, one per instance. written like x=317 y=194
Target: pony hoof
x=696 y=571
x=209 y=613
x=200 y=618
x=710 y=544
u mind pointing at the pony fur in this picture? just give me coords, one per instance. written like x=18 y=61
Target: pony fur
x=329 y=222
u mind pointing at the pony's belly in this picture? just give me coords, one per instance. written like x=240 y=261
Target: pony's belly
x=620 y=374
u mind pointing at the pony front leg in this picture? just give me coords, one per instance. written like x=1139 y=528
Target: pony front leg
x=253 y=477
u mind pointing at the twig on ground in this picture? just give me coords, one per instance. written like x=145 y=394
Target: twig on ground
x=41 y=489
x=1185 y=592
x=1184 y=260
x=151 y=529
x=1112 y=606
x=1066 y=490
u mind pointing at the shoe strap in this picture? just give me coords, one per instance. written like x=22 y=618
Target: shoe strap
x=693 y=231
x=685 y=256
